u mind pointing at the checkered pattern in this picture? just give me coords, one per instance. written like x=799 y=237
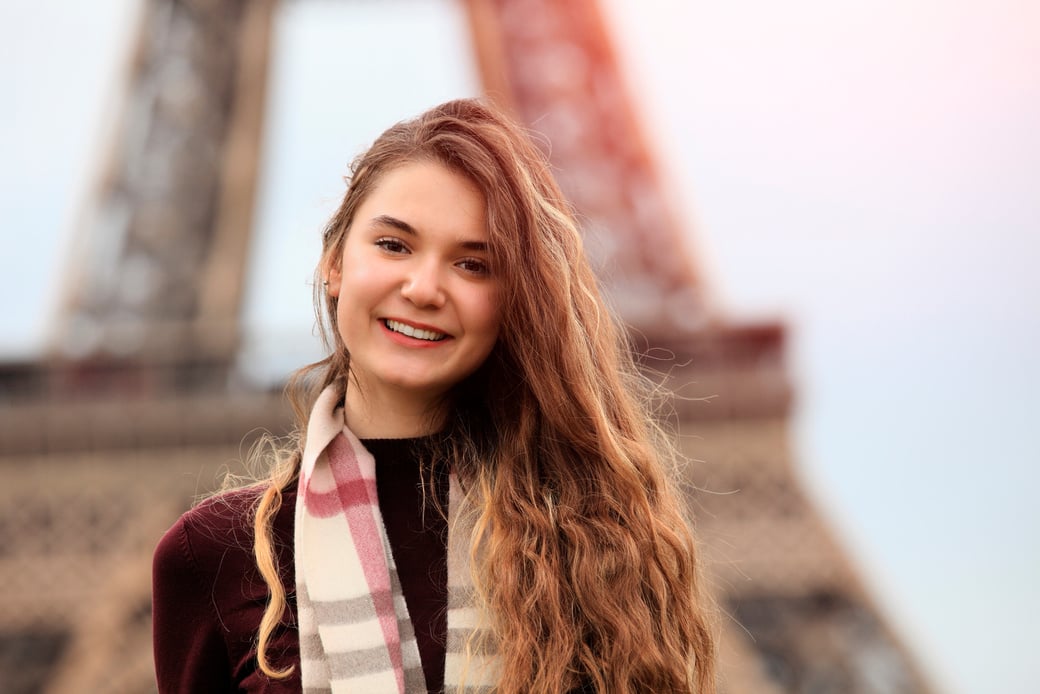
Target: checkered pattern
x=355 y=633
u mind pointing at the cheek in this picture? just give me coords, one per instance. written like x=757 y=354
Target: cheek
x=490 y=312
x=359 y=284
x=343 y=321
x=348 y=310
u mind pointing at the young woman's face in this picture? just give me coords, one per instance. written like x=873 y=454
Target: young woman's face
x=418 y=302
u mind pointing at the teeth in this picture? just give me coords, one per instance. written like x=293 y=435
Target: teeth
x=408 y=330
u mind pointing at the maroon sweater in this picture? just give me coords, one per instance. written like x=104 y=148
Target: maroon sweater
x=208 y=597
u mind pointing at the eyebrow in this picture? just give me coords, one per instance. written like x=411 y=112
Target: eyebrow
x=403 y=226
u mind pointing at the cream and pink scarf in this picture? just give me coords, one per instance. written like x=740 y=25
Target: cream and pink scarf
x=355 y=634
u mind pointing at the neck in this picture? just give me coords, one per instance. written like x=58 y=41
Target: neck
x=381 y=413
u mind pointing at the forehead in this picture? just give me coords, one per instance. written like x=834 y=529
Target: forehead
x=429 y=197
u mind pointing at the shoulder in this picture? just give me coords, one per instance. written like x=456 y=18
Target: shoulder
x=199 y=541
x=225 y=516
x=217 y=534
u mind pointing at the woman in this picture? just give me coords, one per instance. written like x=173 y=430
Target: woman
x=480 y=501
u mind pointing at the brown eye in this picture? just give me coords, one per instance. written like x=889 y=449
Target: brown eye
x=475 y=266
x=391 y=245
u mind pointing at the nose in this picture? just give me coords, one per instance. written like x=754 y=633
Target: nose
x=423 y=287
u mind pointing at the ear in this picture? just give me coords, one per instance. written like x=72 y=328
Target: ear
x=330 y=271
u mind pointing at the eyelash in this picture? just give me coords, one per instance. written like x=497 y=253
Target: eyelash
x=481 y=266
x=392 y=245
x=474 y=266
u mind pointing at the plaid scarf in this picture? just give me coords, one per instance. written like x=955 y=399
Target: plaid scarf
x=355 y=634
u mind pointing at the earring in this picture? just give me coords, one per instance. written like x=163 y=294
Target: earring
x=325 y=285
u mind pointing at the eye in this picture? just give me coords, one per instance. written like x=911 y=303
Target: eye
x=475 y=266
x=391 y=245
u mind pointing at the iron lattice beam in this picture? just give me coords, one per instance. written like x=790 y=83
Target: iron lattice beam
x=159 y=266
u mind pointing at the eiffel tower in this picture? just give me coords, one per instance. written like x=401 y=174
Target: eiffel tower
x=140 y=405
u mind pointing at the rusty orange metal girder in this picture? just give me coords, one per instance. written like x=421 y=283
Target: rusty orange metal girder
x=553 y=65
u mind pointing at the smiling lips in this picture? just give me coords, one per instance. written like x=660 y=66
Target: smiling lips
x=411 y=331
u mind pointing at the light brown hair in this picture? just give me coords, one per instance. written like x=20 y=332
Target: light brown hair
x=586 y=563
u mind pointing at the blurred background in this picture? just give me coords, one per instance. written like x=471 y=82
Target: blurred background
x=855 y=188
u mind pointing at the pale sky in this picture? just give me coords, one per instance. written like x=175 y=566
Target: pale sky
x=867 y=171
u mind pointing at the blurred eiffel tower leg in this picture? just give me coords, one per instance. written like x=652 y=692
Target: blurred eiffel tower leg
x=160 y=267
x=118 y=608
x=136 y=411
x=798 y=617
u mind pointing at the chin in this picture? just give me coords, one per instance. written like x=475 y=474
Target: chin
x=421 y=387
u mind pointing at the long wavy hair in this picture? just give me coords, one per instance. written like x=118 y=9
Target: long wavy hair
x=586 y=563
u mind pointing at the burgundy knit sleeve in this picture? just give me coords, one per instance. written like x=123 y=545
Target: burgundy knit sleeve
x=190 y=650
x=208 y=599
